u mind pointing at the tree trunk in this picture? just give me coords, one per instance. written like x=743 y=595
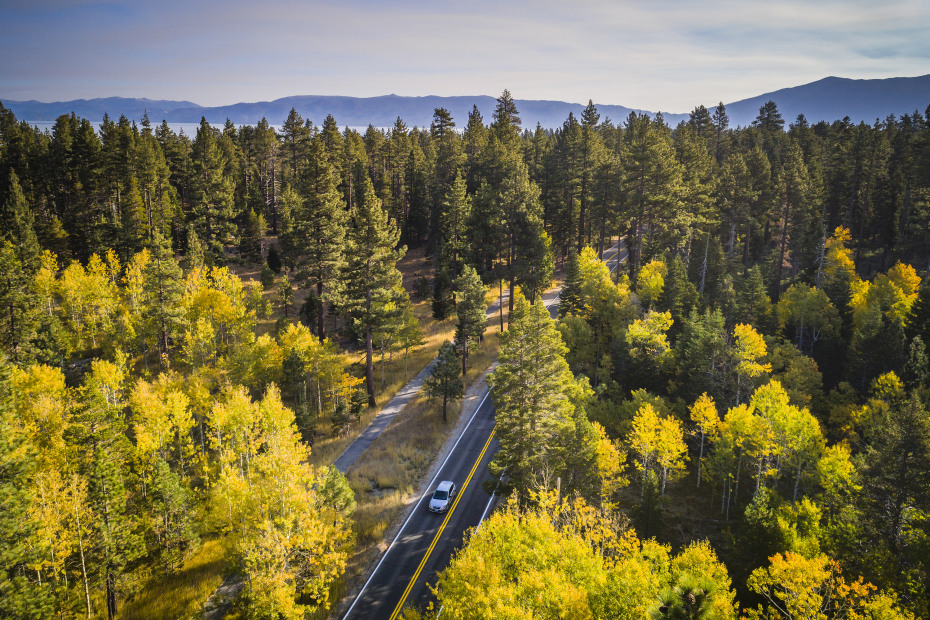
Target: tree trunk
x=500 y=301
x=111 y=594
x=700 y=461
x=369 y=367
x=781 y=255
x=77 y=521
x=319 y=321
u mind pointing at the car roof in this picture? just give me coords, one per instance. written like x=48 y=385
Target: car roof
x=445 y=485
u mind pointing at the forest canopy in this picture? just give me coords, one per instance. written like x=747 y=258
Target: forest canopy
x=747 y=392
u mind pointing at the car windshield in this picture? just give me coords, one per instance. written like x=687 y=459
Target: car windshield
x=440 y=495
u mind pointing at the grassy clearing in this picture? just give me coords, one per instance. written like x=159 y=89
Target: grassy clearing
x=391 y=469
x=390 y=472
x=328 y=445
x=182 y=595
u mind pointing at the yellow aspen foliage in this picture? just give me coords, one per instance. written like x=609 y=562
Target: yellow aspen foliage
x=648 y=339
x=651 y=282
x=216 y=303
x=89 y=299
x=892 y=293
x=162 y=422
x=836 y=475
x=671 y=450
x=604 y=302
x=257 y=364
x=797 y=587
x=570 y=560
x=130 y=318
x=697 y=574
x=42 y=403
x=838 y=263
x=56 y=508
x=643 y=437
x=706 y=420
x=659 y=443
x=884 y=390
x=611 y=461
x=45 y=282
x=293 y=545
x=750 y=348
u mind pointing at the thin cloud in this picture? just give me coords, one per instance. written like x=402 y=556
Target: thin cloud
x=668 y=55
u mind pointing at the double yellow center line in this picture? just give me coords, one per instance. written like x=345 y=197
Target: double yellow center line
x=442 y=527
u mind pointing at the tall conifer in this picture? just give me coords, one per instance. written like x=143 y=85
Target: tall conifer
x=369 y=278
x=531 y=388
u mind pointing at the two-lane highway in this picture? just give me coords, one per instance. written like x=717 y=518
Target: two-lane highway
x=425 y=542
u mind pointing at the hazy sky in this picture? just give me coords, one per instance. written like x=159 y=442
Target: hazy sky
x=665 y=55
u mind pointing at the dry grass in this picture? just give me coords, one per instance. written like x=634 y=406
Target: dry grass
x=390 y=471
x=182 y=595
x=328 y=445
x=389 y=474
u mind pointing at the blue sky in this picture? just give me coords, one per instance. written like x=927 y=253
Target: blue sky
x=668 y=55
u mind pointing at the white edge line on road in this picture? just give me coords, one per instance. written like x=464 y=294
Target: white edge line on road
x=438 y=471
x=412 y=512
x=491 y=499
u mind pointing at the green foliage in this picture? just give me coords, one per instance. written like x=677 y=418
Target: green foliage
x=267 y=277
x=570 y=301
x=369 y=284
x=471 y=313
x=444 y=380
x=91 y=221
x=532 y=389
x=443 y=304
x=274 y=259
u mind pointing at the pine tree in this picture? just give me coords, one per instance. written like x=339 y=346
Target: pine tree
x=570 y=301
x=99 y=430
x=592 y=153
x=455 y=216
x=369 y=279
x=319 y=225
x=679 y=295
x=286 y=293
x=506 y=125
x=443 y=304
x=475 y=139
x=296 y=134
x=212 y=192
x=250 y=240
x=537 y=264
x=471 y=311
x=164 y=287
x=17 y=225
x=531 y=388
x=444 y=379
x=20 y=595
x=448 y=149
x=721 y=126
x=17 y=305
x=653 y=180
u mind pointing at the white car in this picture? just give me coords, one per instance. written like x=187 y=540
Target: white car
x=442 y=496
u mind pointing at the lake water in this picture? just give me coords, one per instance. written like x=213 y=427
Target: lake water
x=189 y=129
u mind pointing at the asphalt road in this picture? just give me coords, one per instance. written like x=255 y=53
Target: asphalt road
x=426 y=541
x=403 y=570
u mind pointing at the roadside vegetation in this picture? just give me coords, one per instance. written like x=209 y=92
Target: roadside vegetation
x=192 y=329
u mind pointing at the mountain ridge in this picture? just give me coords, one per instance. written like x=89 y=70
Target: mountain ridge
x=828 y=99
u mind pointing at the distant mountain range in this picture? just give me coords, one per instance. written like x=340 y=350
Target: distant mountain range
x=828 y=99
